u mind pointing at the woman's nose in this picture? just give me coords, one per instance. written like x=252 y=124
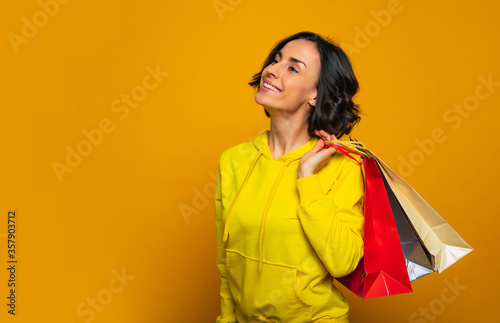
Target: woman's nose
x=273 y=70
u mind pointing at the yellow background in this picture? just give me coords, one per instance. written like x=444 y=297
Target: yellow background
x=141 y=200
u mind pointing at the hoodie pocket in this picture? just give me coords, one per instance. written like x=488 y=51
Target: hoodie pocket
x=273 y=293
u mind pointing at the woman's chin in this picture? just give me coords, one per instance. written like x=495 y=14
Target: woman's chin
x=262 y=99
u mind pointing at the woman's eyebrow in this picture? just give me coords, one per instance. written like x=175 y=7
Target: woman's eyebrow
x=293 y=59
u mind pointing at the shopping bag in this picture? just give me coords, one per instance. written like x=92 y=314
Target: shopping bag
x=382 y=271
x=442 y=242
x=418 y=259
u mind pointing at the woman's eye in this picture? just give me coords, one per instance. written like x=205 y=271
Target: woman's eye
x=291 y=68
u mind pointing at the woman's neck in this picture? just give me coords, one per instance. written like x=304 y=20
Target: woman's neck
x=285 y=136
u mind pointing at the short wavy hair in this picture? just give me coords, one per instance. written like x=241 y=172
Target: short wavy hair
x=335 y=112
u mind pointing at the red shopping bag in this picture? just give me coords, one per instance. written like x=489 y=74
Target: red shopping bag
x=382 y=271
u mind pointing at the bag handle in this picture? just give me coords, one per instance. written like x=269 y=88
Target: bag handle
x=350 y=147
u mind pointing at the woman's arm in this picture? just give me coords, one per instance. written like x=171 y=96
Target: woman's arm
x=227 y=303
x=333 y=221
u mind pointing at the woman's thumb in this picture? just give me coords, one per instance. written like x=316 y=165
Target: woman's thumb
x=318 y=146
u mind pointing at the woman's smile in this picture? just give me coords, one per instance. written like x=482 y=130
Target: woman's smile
x=269 y=87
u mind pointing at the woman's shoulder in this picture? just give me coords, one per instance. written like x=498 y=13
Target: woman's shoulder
x=340 y=162
x=241 y=151
x=340 y=166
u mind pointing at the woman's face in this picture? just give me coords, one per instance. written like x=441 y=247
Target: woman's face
x=289 y=82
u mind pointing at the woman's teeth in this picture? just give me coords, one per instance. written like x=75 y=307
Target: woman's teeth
x=269 y=86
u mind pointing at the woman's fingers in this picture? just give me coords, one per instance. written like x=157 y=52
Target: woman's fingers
x=325 y=135
x=322 y=134
x=319 y=144
x=317 y=147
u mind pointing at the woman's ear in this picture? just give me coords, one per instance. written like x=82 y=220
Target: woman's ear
x=312 y=102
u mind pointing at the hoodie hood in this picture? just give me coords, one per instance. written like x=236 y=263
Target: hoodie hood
x=261 y=143
x=261 y=146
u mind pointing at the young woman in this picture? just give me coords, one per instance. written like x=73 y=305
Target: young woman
x=288 y=212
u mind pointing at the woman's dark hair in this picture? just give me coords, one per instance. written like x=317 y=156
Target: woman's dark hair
x=334 y=111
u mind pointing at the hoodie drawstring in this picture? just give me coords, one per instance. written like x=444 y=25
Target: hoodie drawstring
x=230 y=212
x=266 y=209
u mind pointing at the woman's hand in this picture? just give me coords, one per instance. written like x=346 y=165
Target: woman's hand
x=317 y=157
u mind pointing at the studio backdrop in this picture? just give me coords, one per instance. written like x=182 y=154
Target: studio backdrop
x=114 y=116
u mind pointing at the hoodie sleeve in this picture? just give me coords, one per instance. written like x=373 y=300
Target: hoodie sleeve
x=226 y=301
x=333 y=221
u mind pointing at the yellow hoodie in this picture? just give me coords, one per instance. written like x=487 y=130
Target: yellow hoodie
x=281 y=239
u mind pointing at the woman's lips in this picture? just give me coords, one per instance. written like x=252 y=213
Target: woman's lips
x=263 y=89
x=269 y=87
